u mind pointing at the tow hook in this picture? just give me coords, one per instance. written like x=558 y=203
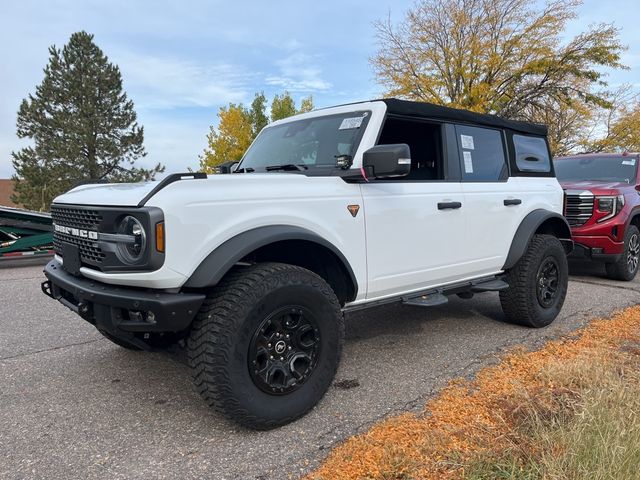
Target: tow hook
x=46 y=288
x=83 y=308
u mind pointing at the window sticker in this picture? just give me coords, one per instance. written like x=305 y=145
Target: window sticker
x=631 y=161
x=468 y=162
x=349 y=123
x=467 y=142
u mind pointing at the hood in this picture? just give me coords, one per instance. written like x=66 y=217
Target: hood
x=237 y=187
x=107 y=194
x=597 y=188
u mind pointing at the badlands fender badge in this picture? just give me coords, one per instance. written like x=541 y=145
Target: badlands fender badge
x=353 y=209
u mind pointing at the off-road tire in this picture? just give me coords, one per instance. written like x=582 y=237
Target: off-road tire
x=623 y=269
x=520 y=302
x=230 y=317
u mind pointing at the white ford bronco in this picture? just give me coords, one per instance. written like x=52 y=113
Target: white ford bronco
x=328 y=212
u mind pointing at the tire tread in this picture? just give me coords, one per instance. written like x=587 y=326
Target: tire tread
x=212 y=333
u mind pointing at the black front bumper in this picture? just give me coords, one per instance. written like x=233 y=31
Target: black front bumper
x=123 y=312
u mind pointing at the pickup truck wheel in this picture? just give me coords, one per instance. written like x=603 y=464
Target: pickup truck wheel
x=627 y=266
x=537 y=284
x=266 y=344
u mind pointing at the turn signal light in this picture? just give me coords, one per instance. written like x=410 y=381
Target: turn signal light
x=160 y=237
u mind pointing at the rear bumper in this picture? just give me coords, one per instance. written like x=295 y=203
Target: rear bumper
x=121 y=311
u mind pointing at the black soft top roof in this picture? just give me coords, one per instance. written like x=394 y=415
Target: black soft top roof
x=438 y=112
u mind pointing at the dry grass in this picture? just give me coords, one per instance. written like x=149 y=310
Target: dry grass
x=567 y=411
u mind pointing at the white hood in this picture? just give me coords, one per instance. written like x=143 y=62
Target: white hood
x=216 y=188
x=111 y=194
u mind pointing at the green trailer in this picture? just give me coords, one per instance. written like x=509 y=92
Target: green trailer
x=24 y=234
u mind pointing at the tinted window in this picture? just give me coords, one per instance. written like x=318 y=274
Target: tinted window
x=532 y=154
x=602 y=168
x=481 y=154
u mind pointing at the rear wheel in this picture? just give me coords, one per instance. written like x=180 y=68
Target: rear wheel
x=537 y=284
x=626 y=267
x=266 y=344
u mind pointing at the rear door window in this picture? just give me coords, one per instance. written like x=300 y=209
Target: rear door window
x=532 y=154
x=482 y=156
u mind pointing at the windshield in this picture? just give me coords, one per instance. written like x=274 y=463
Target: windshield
x=306 y=145
x=605 y=169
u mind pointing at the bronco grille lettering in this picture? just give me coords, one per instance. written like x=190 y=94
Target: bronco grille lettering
x=76 y=232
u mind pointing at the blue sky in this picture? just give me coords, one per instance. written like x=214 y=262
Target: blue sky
x=180 y=61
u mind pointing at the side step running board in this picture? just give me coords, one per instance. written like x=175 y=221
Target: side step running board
x=490 y=286
x=428 y=300
x=438 y=296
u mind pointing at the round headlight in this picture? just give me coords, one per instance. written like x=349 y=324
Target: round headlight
x=134 y=247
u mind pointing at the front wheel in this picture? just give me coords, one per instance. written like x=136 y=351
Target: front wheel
x=266 y=344
x=627 y=266
x=537 y=284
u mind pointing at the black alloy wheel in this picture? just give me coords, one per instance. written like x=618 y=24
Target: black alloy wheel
x=547 y=282
x=625 y=267
x=633 y=253
x=284 y=350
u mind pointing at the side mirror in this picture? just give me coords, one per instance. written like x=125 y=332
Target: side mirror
x=387 y=161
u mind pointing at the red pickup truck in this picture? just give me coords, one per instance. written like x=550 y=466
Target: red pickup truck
x=602 y=206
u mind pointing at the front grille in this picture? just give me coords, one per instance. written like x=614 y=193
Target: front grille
x=76 y=217
x=578 y=207
x=80 y=218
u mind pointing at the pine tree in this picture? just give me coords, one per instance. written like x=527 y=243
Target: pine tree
x=82 y=125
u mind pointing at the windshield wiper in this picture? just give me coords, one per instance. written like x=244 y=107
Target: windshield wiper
x=244 y=170
x=286 y=166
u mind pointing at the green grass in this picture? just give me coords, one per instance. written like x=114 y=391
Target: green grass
x=587 y=427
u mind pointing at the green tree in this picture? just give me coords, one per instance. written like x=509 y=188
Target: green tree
x=507 y=57
x=238 y=126
x=282 y=106
x=306 y=104
x=258 y=114
x=82 y=125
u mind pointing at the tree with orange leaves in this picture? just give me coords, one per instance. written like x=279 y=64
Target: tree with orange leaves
x=506 y=57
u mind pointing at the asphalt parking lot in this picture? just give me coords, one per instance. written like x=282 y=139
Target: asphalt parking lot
x=73 y=405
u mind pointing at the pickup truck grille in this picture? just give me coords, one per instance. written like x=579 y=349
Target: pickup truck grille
x=578 y=207
x=77 y=218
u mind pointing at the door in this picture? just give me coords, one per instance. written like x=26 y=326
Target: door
x=493 y=200
x=415 y=231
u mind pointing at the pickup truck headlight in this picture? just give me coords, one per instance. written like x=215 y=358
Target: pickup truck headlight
x=133 y=241
x=610 y=205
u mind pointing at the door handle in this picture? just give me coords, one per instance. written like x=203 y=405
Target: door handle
x=449 y=205
x=512 y=201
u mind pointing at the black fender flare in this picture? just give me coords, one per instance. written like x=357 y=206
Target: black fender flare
x=225 y=256
x=527 y=229
x=633 y=214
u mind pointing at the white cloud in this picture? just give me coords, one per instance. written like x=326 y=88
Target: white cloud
x=299 y=72
x=164 y=82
